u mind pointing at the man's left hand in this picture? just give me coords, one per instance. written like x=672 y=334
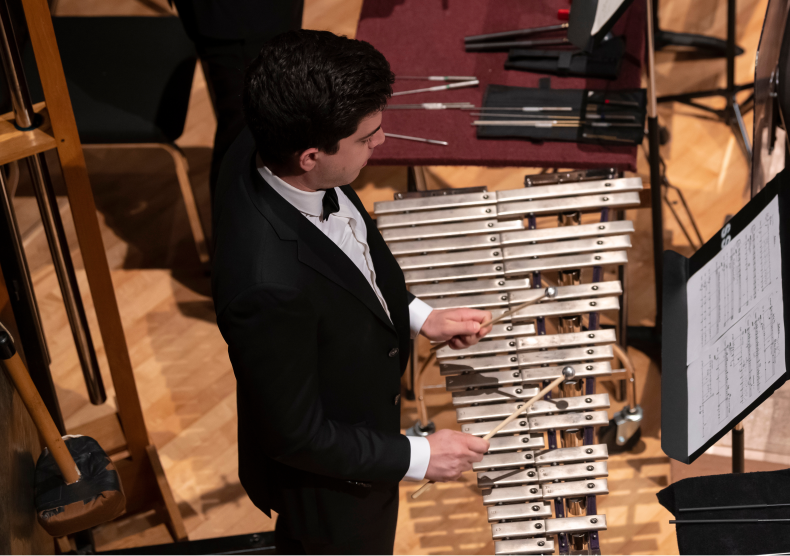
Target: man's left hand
x=460 y=327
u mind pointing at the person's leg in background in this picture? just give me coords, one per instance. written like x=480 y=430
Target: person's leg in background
x=228 y=35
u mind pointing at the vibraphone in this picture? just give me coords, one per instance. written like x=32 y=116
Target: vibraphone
x=495 y=250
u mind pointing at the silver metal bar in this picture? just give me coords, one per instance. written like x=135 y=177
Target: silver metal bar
x=440 y=289
x=580 y=524
x=585 y=203
x=526 y=343
x=525 y=546
x=518 y=442
x=571 y=489
x=519 y=511
x=617 y=185
x=473 y=301
x=67 y=278
x=564 y=293
x=541 y=407
x=567 y=308
x=515 y=529
x=506 y=477
x=447 y=230
x=435 y=260
x=491 y=395
x=568 y=247
x=517 y=297
x=481 y=348
x=519 y=426
x=7 y=206
x=565 y=262
x=573 y=455
x=564 y=421
x=444 y=245
x=567 y=232
x=570 y=355
x=454 y=273
x=490 y=379
x=512 y=495
x=585 y=370
x=509 y=460
x=573 y=471
x=432 y=203
x=13 y=67
x=446 y=216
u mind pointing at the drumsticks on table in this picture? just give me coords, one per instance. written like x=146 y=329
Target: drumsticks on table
x=567 y=374
x=549 y=293
x=458 y=85
x=438 y=77
x=418 y=139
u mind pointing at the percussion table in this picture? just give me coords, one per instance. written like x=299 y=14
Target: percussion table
x=425 y=37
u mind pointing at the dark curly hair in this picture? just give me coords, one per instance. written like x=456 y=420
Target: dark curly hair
x=310 y=89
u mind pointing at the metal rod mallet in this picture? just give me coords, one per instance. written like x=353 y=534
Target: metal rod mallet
x=550 y=293
x=567 y=374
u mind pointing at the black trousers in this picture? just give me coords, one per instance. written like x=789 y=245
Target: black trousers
x=364 y=528
x=226 y=47
x=224 y=62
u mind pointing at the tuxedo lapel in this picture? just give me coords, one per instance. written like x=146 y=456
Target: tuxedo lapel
x=389 y=276
x=314 y=249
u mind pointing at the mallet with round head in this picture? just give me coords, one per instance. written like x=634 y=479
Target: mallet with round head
x=567 y=374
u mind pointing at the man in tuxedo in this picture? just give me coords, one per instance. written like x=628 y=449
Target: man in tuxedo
x=314 y=307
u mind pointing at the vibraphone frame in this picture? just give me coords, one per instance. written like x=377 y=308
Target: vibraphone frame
x=571 y=501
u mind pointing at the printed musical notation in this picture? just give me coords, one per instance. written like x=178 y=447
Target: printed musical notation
x=736 y=338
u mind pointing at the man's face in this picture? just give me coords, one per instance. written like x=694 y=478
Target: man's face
x=341 y=168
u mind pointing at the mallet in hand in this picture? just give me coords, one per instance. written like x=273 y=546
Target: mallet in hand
x=549 y=293
x=567 y=374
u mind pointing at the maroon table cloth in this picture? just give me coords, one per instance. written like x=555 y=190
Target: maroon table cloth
x=425 y=37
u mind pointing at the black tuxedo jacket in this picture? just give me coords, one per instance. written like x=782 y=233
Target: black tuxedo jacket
x=317 y=361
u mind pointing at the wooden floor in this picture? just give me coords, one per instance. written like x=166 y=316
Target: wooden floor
x=180 y=360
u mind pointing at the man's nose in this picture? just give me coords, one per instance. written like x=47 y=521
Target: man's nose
x=378 y=139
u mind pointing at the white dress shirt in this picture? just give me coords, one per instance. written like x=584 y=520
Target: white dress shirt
x=347 y=230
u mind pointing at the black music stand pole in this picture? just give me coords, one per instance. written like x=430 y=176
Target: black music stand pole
x=732 y=113
x=656 y=198
x=648 y=338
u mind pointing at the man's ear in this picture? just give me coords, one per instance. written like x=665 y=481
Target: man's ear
x=307 y=159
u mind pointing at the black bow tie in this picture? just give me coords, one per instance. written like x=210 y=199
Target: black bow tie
x=330 y=204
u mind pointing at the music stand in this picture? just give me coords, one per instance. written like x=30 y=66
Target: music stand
x=681 y=438
x=590 y=21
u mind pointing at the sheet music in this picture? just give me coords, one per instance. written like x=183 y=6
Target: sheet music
x=736 y=339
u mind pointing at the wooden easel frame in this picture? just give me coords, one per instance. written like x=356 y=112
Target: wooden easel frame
x=137 y=461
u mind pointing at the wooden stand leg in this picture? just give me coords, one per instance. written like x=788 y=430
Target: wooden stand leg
x=141 y=472
x=175 y=522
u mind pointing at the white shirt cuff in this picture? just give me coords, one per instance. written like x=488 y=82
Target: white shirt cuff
x=418 y=314
x=420 y=456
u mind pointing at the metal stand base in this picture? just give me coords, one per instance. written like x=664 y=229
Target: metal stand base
x=707 y=47
x=733 y=112
x=418 y=430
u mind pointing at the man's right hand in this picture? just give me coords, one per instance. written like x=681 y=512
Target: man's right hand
x=452 y=453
